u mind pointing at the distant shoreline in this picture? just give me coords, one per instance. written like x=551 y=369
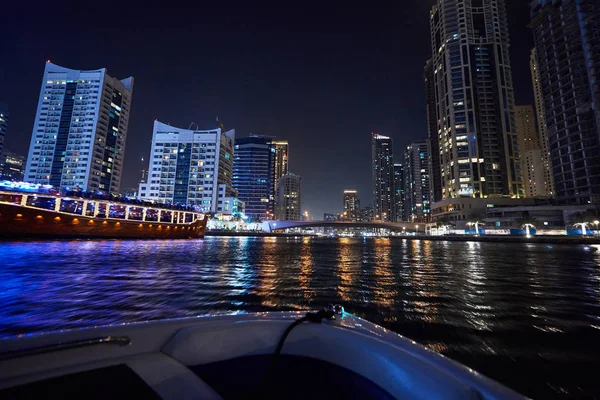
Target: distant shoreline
x=450 y=238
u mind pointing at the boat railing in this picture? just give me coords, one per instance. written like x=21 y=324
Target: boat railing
x=100 y=209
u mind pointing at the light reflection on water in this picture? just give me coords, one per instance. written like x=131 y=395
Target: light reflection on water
x=513 y=300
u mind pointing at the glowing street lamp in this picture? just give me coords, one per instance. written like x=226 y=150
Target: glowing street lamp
x=476 y=225
x=527 y=232
x=417 y=226
x=583 y=225
x=596 y=222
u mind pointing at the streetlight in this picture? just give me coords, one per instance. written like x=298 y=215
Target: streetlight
x=582 y=225
x=417 y=226
x=596 y=222
x=527 y=226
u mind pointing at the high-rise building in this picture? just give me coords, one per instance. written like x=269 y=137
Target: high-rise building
x=433 y=134
x=3 y=124
x=384 y=199
x=281 y=159
x=417 y=190
x=80 y=129
x=191 y=167
x=399 y=186
x=254 y=175
x=351 y=206
x=567 y=46
x=288 y=198
x=12 y=167
x=474 y=99
x=531 y=153
x=541 y=126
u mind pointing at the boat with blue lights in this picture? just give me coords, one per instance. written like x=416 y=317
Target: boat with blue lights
x=39 y=211
x=327 y=354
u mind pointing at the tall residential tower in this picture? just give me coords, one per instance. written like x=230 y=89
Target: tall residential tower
x=417 y=189
x=254 y=175
x=384 y=196
x=80 y=129
x=191 y=167
x=474 y=99
x=567 y=57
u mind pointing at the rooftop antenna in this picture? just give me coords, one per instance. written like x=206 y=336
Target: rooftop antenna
x=193 y=123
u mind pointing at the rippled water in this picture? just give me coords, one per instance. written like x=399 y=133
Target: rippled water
x=527 y=315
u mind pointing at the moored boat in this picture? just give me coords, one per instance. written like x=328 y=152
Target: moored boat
x=277 y=355
x=25 y=215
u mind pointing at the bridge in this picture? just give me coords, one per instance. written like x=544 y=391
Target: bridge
x=271 y=226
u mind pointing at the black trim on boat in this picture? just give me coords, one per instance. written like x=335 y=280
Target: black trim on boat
x=118 y=340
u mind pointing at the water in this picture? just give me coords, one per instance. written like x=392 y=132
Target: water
x=527 y=315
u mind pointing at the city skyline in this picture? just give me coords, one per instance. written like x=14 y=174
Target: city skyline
x=310 y=123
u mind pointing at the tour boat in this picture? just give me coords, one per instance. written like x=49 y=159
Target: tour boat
x=271 y=355
x=30 y=215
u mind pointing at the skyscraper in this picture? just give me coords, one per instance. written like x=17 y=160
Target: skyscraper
x=281 y=159
x=417 y=189
x=567 y=47
x=432 y=133
x=541 y=126
x=80 y=129
x=399 y=186
x=351 y=206
x=192 y=167
x=254 y=175
x=288 y=198
x=531 y=153
x=474 y=99
x=384 y=199
x=3 y=124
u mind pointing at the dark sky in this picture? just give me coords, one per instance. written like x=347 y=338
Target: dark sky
x=323 y=78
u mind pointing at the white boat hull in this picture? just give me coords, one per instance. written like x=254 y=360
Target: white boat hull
x=164 y=353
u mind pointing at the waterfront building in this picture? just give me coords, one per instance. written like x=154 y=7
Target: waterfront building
x=478 y=144
x=531 y=152
x=384 y=199
x=288 y=198
x=460 y=210
x=567 y=55
x=80 y=129
x=3 y=124
x=541 y=126
x=254 y=175
x=351 y=206
x=12 y=167
x=191 y=167
x=417 y=197
x=433 y=136
x=399 y=187
x=546 y=217
x=281 y=159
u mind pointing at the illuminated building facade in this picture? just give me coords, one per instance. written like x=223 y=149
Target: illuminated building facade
x=531 y=152
x=541 y=127
x=567 y=56
x=3 y=124
x=400 y=198
x=417 y=189
x=12 y=167
x=191 y=167
x=254 y=175
x=472 y=79
x=281 y=159
x=289 y=198
x=384 y=196
x=80 y=129
x=351 y=206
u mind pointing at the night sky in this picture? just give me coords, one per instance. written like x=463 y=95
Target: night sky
x=323 y=78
